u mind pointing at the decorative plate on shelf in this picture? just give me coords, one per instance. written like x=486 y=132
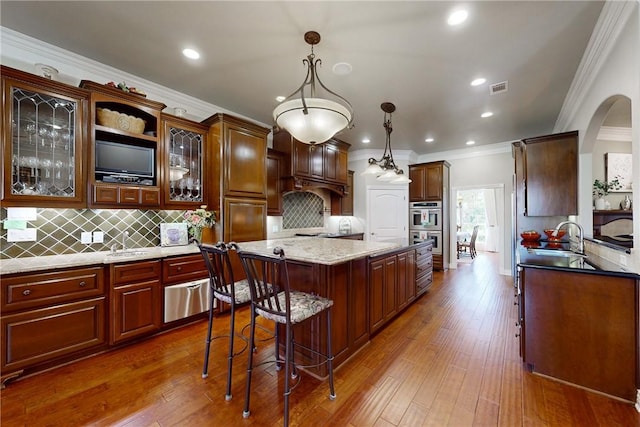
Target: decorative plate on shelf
x=174 y=234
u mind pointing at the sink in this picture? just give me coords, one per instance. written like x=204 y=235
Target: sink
x=555 y=252
x=127 y=253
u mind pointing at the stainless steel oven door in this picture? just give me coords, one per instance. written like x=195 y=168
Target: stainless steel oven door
x=425 y=215
x=418 y=236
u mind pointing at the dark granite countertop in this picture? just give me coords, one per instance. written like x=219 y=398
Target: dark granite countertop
x=591 y=264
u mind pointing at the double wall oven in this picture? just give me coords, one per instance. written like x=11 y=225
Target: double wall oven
x=425 y=222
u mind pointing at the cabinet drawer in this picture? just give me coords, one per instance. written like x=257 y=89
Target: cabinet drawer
x=123 y=274
x=36 y=290
x=424 y=266
x=422 y=253
x=423 y=283
x=183 y=269
x=28 y=338
x=150 y=196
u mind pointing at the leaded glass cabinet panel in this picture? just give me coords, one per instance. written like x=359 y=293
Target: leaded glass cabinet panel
x=43 y=141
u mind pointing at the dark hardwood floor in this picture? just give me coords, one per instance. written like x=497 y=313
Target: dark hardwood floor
x=451 y=359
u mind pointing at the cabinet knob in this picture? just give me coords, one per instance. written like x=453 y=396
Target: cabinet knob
x=179 y=268
x=82 y=284
x=26 y=292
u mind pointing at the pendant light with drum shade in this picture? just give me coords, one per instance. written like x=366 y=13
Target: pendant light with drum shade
x=309 y=118
x=385 y=168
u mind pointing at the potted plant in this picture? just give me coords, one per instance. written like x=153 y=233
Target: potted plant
x=602 y=188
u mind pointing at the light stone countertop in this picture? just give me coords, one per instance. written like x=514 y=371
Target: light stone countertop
x=319 y=250
x=51 y=262
x=309 y=249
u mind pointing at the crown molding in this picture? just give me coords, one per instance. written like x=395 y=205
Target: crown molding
x=413 y=157
x=610 y=133
x=610 y=24
x=22 y=52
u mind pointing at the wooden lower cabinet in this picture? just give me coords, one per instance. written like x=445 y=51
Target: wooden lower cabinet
x=392 y=285
x=406 y=279
x=136 y=304
x=345 y=284
x=51 y=318
x=581 y=328
x=383 y=291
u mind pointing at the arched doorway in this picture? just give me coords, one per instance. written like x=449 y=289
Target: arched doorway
x=608 y=137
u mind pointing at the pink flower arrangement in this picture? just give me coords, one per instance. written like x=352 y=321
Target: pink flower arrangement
x=200 y=218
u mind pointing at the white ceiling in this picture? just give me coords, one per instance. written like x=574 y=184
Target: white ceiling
x=402 y=52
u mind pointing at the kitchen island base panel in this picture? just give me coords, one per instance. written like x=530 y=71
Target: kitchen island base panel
x=582 y=328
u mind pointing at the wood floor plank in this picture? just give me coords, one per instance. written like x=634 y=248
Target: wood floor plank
x=451 y=358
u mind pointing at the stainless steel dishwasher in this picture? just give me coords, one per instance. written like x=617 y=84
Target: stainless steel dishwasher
x=186 y=299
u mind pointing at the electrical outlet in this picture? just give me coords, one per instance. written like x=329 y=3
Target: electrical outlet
x=623 y=260
x=275 y=229
x=85 y=237
x=98 y=237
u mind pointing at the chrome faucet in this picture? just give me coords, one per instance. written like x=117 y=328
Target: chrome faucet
x=580 y=235
x=124 y=240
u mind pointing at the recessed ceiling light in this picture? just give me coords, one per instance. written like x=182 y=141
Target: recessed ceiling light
x=366 y=140
x=191 y=53
x=478 y=81
x=470 y=142
x=342 y=68
x=428 y=140
x=486 y=114
x=280 y=98
x=457 y=17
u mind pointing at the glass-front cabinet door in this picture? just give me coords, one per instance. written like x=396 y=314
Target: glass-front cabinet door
x=184 y=161
x=43 y=134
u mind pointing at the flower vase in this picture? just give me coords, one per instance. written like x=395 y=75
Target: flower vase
x=600 y=204
x=196 y=233
x=625 y=205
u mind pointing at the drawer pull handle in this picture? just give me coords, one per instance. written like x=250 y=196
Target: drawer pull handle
x=179 y=268
x=26 y=292
x=83 y=284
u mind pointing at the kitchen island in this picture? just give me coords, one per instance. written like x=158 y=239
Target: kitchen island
x=579 y=321
x=346 y=271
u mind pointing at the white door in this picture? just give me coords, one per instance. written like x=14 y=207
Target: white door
x=388 y=214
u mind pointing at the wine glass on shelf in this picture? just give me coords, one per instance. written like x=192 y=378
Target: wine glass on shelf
x=46 y=164
x=181 y=185
x=59 y=165
x=30 y=129
x=189 y=184
x=195 y=189
x=43 y=133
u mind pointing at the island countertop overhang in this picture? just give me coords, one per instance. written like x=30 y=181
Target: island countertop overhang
x=318 y=250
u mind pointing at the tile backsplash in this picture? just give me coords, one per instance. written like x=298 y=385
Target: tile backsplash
x=302 y=209
x=58 y=230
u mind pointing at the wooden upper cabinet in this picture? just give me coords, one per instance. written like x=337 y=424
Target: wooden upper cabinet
x=313 y=165
x=335 y=163
x=275 y=160
x=115 y=175
x=343 y=205
x=428 y=181
x=44 y=138
x=239 y=157
x=418 y=184
x=184 y=163
x=550 y=176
